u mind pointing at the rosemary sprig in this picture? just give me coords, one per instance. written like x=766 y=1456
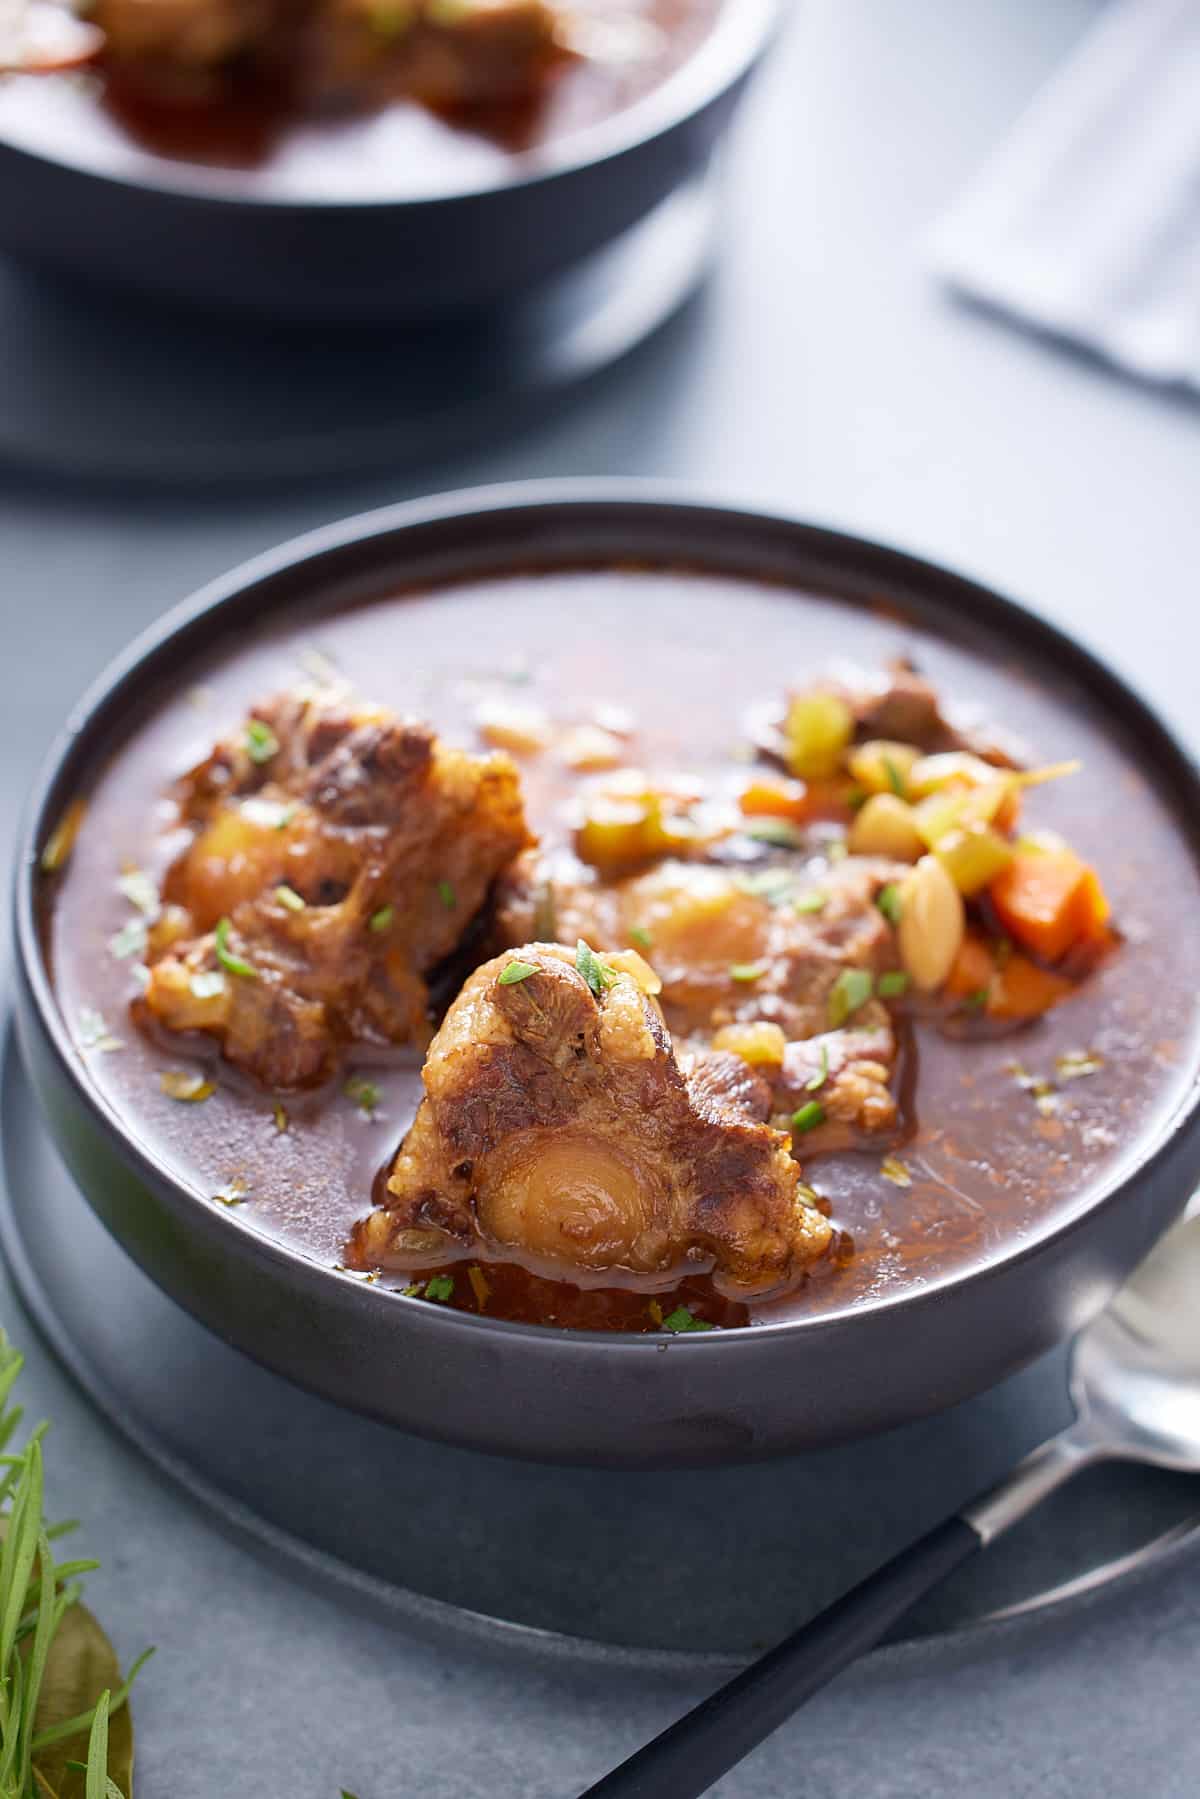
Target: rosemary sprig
x=36 y=1594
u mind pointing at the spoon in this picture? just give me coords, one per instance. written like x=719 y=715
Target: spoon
x=1135 y=1385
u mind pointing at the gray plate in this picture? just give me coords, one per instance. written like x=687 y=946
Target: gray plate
x=661 y=1568
x=97 y=386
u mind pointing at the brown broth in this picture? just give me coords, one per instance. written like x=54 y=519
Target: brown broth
x=685 y=655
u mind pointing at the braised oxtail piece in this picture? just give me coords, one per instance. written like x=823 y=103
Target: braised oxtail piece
x=560 y=1128
x=338 y=855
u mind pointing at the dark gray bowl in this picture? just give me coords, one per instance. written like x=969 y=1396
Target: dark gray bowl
x=71 y=201
x=541 y=1393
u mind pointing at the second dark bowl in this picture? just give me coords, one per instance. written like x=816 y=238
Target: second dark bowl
x=222 y=240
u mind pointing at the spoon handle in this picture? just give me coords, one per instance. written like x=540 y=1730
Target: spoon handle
x=709 y=1740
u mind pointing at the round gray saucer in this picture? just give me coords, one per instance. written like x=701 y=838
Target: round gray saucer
x=662 y=1567
x=96 y=384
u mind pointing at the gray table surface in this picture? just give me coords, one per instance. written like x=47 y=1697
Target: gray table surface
x=821 y=372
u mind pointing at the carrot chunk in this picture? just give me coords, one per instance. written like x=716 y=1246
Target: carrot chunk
x=775 y=799
x=1048 y=900
x=1026 y=991
x=973 y=968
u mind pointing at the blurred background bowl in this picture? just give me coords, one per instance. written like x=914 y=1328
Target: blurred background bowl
x=379 y=243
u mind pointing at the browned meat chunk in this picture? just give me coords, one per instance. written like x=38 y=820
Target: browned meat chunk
x=338 y=855
x=745 y=948
x=559 y=1129
x=906 y=709
x=476 y=51
x=184 y=34
x=850 y=1070
x=483 y=52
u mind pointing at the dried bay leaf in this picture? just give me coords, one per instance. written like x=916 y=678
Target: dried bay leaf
x=82 y=1664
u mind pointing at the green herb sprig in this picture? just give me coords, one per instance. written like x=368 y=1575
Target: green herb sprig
x=43 y=1632
x=596 y=973
x=225 y=956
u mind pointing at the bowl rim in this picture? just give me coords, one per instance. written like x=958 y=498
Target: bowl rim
x=220 y=597
x=738 y=37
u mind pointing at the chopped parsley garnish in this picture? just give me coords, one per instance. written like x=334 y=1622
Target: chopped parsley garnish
x=447 y=895
x=681 y=1320
x=415 y=1291
x=889 y=902
x=269 y=815
x=515 y=971
x=58 y=846
x=185 y=1084
x=1077 y=1064
x=771 y=884
x=892 y=984
x=747 y=971
x=781 y=833
x=440 y=1287
x=140 y=891
x=225 y=956
x=261 y=741
x=364 y=1093
x=130 y=940
x=381 y=920
x=816 y=901
x=639 y=935
x=822 y=1075
x=207 y=984
x=977 y=1001
x=852 y=989
x=289 y=899
x=94 y=1033
x=894 y=777
x=808 y=1117
x=596 y=973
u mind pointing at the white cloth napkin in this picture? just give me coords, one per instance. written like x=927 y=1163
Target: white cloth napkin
x=1086 y=222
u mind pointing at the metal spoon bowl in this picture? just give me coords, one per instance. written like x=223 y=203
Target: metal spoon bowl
x=1135 y=1385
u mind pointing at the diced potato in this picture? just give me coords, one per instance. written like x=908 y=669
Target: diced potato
x=950 y=768
x=973 y=857
x=522 y=730
x=761 y=1043
x=938 y=814
x=882 y=766
x=627 y=822
x=932 y=924
x=589 y=749
x=885 y=827
x=816 y=733
x=619 y=833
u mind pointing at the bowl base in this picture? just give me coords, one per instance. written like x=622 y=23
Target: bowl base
x=105 y=386
x=664 y=1569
